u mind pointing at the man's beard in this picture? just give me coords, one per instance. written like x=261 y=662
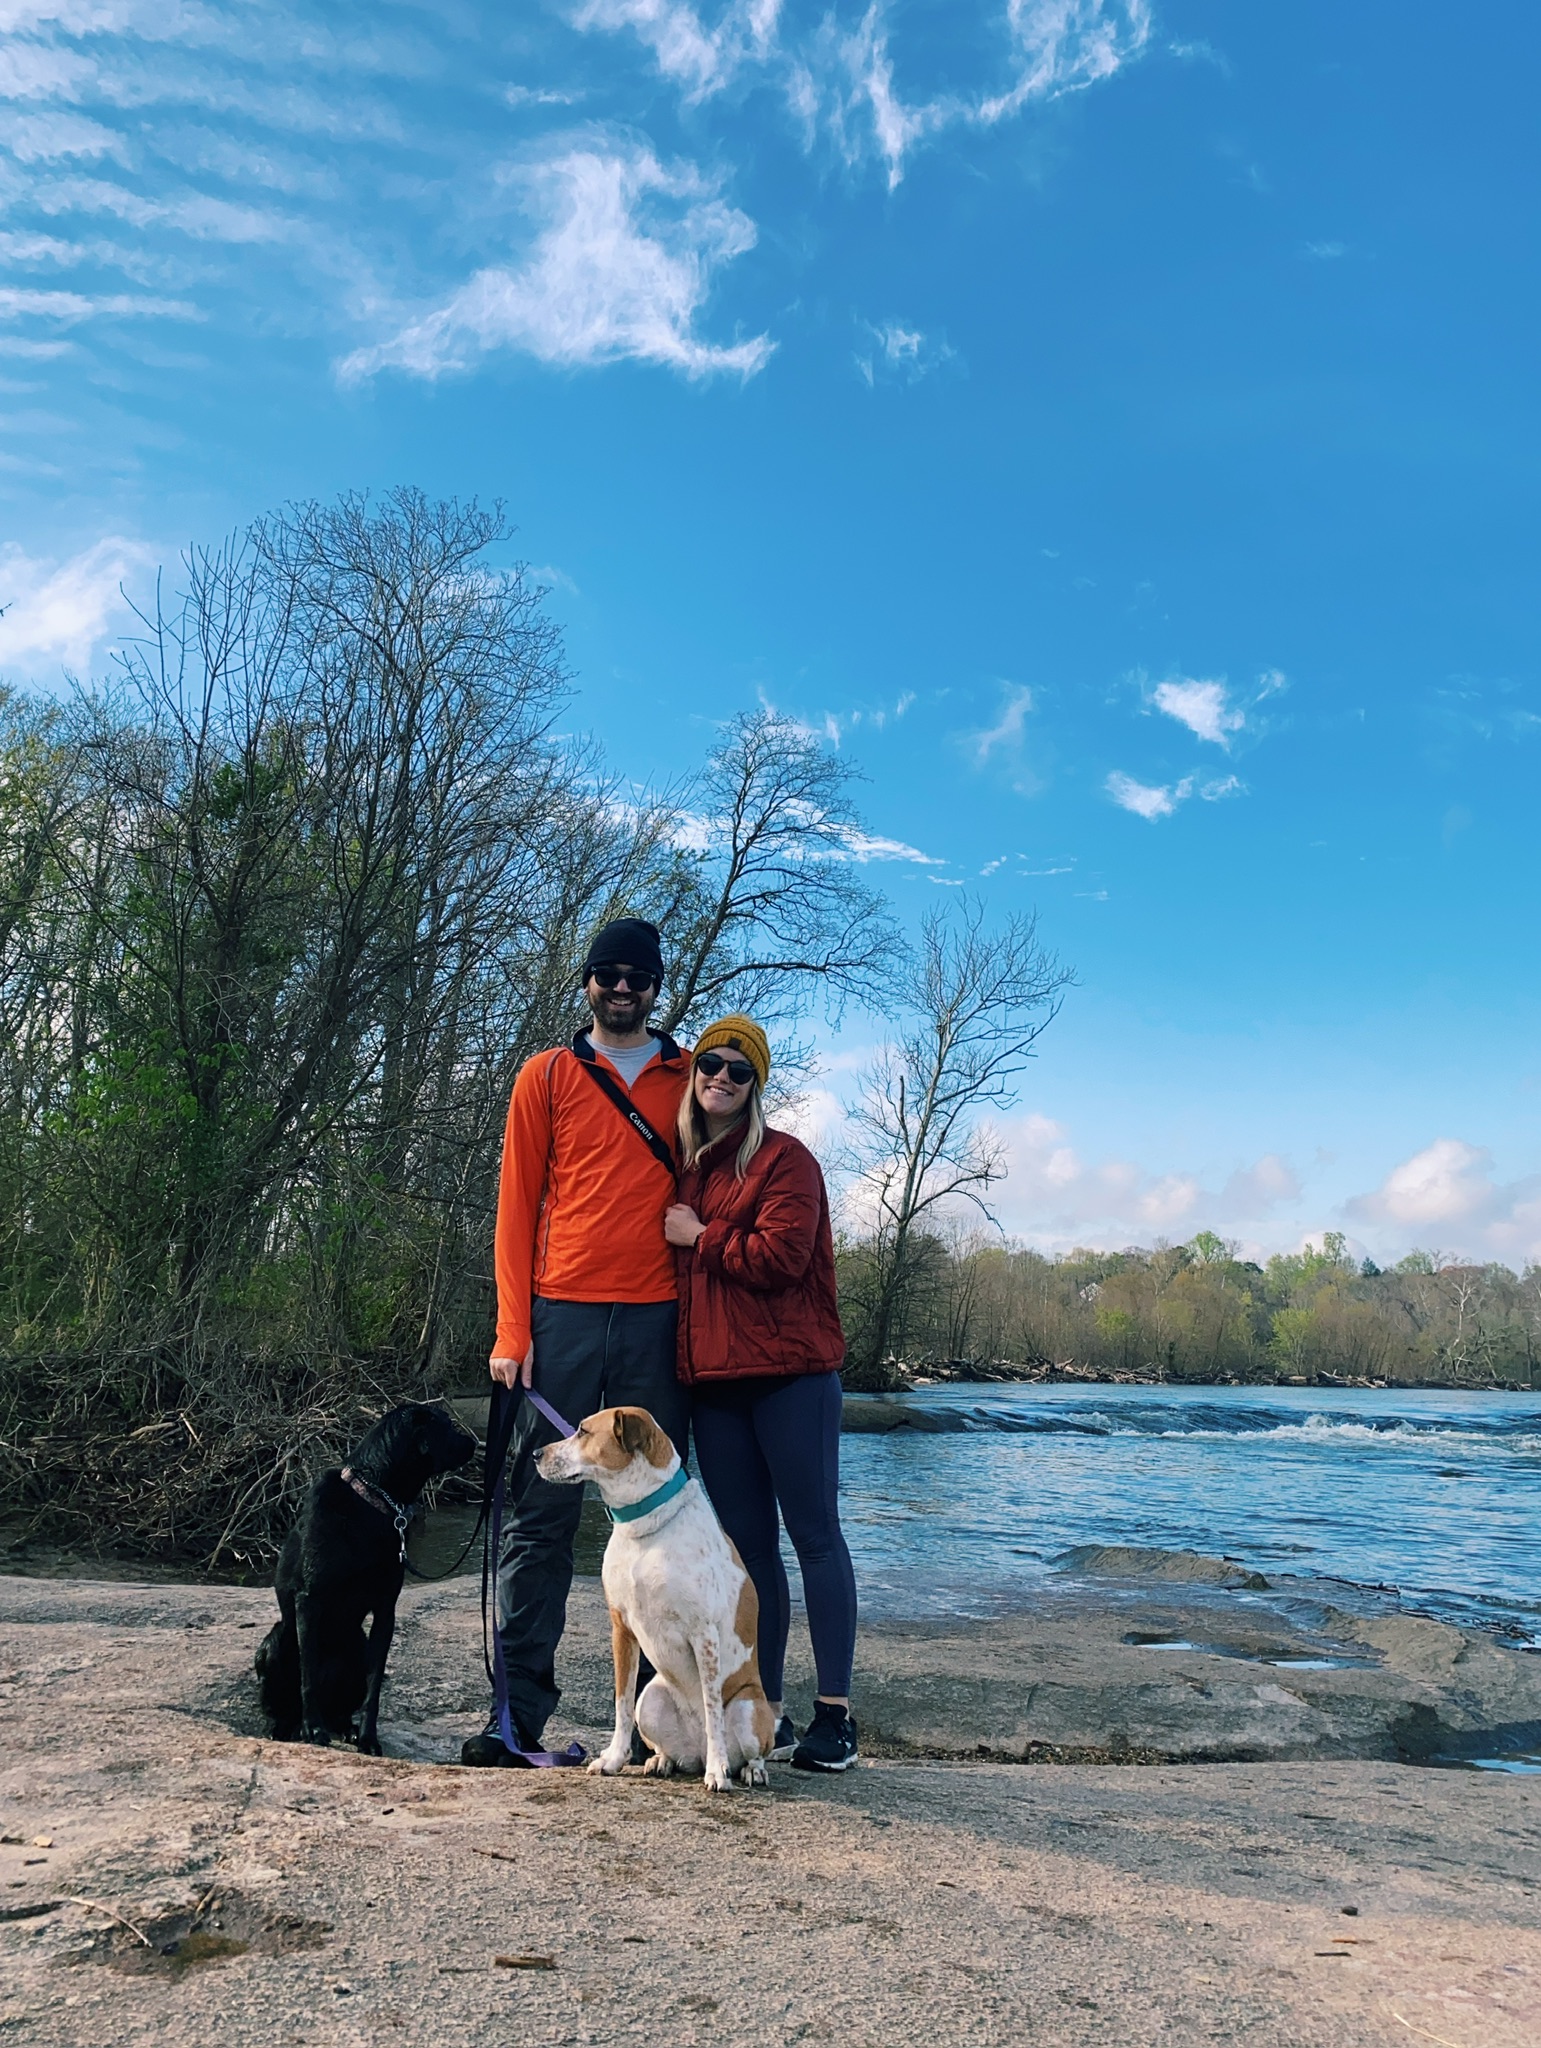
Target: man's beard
x=619 y=1013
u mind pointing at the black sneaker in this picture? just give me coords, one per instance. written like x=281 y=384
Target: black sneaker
x=830 y=1743
x=488 y=1751
x=783 y=1742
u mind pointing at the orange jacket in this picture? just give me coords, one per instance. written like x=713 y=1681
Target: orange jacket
x=581 y=1197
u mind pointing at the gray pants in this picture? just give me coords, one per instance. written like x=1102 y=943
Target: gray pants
x=588 y=1355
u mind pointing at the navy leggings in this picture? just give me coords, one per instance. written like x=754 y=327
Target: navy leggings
x=768 y=1443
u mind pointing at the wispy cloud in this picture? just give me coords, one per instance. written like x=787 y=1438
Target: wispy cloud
x=899 y=354
x=405 y=187
x=838 y=80
x=701 y=60
x=1152 y=801
x=621 y=267
x=1325 y=252
x=1008 y=731
x=57 y=615
x=68 y=309
x=868 y=846
x=1198 y=51
x=834 y=726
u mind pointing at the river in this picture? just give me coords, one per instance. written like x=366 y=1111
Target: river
x=1437 y=1494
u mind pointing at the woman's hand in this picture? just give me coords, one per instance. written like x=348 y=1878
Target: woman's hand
x=681 y=1224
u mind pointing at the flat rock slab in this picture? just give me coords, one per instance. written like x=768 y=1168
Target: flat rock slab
x=276 y=1894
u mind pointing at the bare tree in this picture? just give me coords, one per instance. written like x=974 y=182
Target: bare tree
x=779 y=914
x=980 y=999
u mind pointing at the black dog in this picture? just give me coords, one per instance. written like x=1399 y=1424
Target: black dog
x=345 y=1559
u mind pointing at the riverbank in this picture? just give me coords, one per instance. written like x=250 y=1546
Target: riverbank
x=1066 y=1373
x=1337 y=1898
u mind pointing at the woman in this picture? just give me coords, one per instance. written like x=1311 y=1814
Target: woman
x=760 y=1346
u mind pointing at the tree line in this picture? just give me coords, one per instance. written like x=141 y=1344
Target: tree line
x=284 y=903
x=976 y=1305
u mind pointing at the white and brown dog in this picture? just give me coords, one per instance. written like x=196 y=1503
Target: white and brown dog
x=677 y=1587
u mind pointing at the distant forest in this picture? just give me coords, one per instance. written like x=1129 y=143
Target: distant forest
x=1196 y=1312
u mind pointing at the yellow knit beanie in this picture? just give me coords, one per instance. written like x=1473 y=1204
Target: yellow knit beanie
x=741 y=1035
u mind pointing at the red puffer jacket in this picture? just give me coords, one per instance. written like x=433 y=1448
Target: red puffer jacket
x=757 y=1289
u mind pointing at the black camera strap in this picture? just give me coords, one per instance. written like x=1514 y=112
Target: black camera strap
x=608 y=1085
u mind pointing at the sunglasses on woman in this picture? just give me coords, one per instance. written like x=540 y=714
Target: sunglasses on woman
x=637 y=979
x=712 y=1063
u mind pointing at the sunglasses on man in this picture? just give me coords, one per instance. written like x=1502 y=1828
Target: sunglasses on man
x=712 y=1063
x=637 y=980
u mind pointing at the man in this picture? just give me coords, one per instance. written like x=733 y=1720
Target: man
x=586 y=1287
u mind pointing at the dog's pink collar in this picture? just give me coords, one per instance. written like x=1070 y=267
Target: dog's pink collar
x=381 y=1501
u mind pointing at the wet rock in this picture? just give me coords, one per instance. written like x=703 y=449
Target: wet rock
x=1179 y=1567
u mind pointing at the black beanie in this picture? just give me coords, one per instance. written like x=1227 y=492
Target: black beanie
x=631 y=940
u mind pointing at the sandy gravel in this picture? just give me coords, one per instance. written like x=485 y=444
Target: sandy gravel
x=348 y=1900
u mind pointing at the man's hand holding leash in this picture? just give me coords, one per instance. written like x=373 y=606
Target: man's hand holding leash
x=514 y=1372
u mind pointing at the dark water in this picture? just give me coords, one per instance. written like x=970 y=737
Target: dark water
x=1436 y=1494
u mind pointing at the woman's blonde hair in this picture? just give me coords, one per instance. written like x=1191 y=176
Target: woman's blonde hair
x=694 y=1137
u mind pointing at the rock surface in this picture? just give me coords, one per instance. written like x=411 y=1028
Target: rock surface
x=295 y=1895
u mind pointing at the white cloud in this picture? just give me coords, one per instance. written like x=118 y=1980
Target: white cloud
x=1253 y=1190
x=1198 y=51
x=1201 y=706
x=46 y=137
x=838 y=81
x=1448 y=1191
x=865 y=846
x=1064 y=45
x=901 y=354
x=68 y=309
x=1446 y=1184
x=1009 y=729
x=549 y=577
x=1326 y=252
x=613 y=273
x=1158 y=800
x=1054 y=1197
x=700 y=60
x=1147 y=800
x=58 y=614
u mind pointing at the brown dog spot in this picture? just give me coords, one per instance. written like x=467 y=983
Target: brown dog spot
x=764 y=1725
x=623 y=1647
x=599 y=1440
x=745 y=1680
x=746 y=1615
x=635 y=1430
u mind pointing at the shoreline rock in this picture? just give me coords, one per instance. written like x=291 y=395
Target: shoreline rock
x=172 y=1876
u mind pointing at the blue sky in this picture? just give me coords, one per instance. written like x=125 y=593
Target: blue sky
x=1113 y=424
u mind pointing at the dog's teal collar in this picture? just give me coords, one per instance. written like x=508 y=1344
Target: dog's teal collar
x=649 y=1501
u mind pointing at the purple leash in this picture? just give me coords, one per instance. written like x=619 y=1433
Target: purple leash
x=499 y=1435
